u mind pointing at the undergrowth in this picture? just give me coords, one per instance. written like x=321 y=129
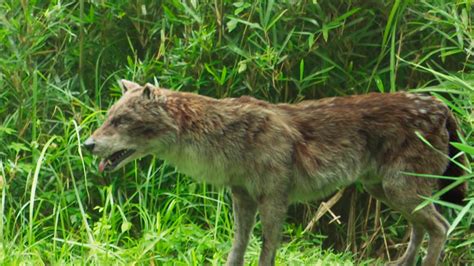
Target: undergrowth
x=59 y=66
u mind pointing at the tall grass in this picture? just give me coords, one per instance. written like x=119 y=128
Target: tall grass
x=59 y=63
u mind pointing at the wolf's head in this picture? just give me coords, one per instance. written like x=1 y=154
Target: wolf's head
x=136 y=125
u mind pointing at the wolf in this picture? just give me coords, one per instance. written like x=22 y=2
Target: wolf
x=271 y=155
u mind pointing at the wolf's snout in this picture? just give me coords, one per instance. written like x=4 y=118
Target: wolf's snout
x=89 y=144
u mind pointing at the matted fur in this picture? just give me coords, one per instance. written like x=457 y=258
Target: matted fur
x=274 y=154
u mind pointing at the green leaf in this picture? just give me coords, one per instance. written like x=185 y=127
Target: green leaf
x=252 y=25
x=269 y=26
x=242 y=66
x=301 y=69
x=325 y=33
x=463 y=147
x=18 y=147
x=461 y=215
x=126 y=225
x=223 y=76
x=231 y=25
x=310 y=41
x=379 y=83
x=7 y=130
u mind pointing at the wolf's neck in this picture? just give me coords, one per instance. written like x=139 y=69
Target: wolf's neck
x=201 y=142
x=199 y=117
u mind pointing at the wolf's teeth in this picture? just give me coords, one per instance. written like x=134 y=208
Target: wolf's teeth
x=115 y=159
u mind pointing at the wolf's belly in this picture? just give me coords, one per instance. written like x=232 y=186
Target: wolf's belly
x=323 y=183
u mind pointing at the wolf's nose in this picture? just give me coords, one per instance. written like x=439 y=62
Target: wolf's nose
x=89 y=144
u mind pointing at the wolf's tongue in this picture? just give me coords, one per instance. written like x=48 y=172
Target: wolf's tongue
x=103 y=163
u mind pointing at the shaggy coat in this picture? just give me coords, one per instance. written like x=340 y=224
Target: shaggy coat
x=271 y=155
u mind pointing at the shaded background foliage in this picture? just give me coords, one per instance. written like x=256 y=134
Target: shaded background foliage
x=59 y=66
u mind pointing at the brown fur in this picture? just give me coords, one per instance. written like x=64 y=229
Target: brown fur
x=274 y=154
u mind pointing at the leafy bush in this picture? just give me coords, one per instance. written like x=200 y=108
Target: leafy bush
x=59 y=63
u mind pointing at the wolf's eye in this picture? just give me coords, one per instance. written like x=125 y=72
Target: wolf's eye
x=119 y=120
x=116 y=121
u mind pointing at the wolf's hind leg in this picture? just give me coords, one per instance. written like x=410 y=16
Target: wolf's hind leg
x=409 y=257
x=417 y=232
x=244 y=208
x=403 y=193
x=437 y=229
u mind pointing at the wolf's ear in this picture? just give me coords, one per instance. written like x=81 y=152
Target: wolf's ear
x=127 y=85
x=148 y=91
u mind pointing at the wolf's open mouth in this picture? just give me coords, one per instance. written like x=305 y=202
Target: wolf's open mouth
x=113 y=160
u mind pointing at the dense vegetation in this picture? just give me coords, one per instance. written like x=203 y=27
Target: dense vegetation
x=59 y=66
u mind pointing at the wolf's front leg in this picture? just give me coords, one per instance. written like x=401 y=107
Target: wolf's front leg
x=272 y=211
x=244 y=218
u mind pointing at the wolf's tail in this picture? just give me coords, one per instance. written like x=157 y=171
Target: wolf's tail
x=457 y=194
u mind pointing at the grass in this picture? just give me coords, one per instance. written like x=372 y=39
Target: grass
x=59 y=66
